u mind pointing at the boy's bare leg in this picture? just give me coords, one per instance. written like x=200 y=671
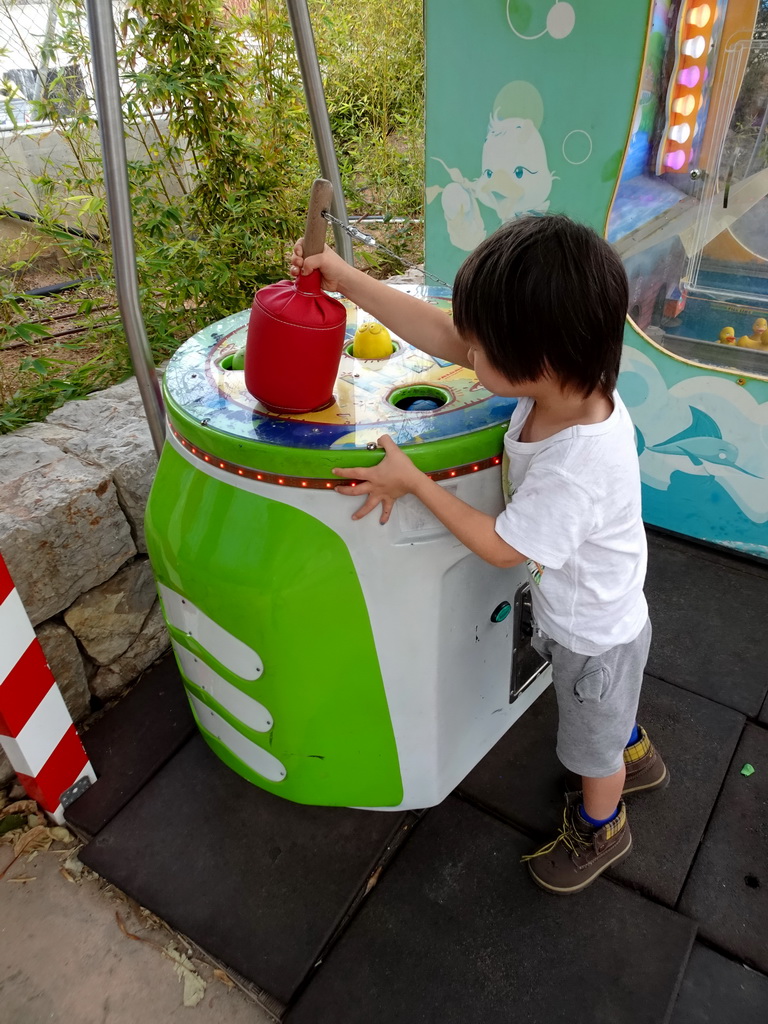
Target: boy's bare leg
x=601 y=796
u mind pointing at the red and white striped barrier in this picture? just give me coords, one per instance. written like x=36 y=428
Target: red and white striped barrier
x=36 y=729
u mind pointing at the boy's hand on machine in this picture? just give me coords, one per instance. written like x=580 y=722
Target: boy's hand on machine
x=329 y=263
x=383 y=483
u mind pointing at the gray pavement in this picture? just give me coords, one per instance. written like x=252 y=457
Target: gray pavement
x=68 y=954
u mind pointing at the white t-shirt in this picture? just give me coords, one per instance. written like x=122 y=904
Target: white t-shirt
x=573 y=509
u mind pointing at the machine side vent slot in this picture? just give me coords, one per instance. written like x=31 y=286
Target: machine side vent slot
x=257 y=759
x=527 y=663
x=233 y=654
x=245 y=709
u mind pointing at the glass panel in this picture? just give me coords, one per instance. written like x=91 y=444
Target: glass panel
x=694 y=238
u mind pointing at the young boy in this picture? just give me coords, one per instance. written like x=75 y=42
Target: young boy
x=538 y=313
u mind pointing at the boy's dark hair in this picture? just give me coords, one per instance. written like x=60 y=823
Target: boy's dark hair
x=545 y=294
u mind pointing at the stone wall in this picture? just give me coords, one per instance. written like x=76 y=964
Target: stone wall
x=72 y=496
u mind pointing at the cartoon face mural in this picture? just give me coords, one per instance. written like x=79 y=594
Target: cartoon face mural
x=515 y=176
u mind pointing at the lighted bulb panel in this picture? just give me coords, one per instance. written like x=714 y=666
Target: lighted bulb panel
x=685 y=95
x=328 y=660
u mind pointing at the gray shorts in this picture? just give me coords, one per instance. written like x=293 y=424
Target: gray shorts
x=597 y=701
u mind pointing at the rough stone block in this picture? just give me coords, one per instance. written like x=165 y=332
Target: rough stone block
x=65 y=661
x=51 y=433
x=110 y=430
x=62 y=530
x=109 y=618
x=150 y=644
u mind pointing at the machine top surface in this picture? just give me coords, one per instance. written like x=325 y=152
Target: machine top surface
x=414 y=397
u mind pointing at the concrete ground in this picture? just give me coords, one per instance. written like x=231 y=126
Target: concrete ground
x=337 y=916
x=80 y=951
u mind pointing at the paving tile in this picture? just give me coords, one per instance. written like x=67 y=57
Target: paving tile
x=257 y=881
x=456 y=932
x=727 y=890
x=708 y=614
x=131 y=742
x=719 y=991
x=522 y=781
x=763 y=716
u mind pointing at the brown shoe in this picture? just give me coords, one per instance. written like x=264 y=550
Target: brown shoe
x=579 y=853
x=645 y=768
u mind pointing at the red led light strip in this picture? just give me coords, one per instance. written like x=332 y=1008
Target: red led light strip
x=313 y=483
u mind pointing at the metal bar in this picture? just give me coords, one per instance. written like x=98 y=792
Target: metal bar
x=101 y=28
x=301 y=25
x=42 y=71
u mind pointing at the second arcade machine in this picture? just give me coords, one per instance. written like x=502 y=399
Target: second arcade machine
x=646 y=120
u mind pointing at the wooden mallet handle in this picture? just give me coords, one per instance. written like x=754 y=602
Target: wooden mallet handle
x=320 y=199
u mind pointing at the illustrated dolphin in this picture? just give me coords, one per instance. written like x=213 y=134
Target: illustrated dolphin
x=700 y=442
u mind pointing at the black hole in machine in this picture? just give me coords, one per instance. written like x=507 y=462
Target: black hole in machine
x=418 y=398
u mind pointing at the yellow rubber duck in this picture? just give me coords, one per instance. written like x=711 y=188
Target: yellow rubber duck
x=755 y=340
x=727 y=336
x=373 y=341
x=764 y=340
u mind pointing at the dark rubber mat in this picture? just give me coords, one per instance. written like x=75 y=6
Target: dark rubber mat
x=522 y=781
x=719 y=991
x=131 y=742
x=708 y=614
x=727 y=892
x=456 y=933
x=258 y=882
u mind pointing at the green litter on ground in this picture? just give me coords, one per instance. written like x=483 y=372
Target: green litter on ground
x=747 y=770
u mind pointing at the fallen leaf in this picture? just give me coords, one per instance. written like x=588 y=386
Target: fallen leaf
x=194 y=986
x=33 y=820
x=36 y=839
x=66 y=874
x=136 y=938
x=19 y=807
x=61 y=834
x=373 y=880
x=223 y=977
x=73 y=865
x=11 y=822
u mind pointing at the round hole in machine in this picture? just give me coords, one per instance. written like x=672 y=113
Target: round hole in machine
x=419 y=398
x=233 y=360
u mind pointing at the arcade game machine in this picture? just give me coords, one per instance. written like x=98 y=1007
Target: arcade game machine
x=330 y=661
x=691 y=222
x=646 y=120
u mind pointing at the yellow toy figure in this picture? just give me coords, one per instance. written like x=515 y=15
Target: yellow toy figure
x=764 y=340
x=373 y=341
x=727 y=336
x=755 y=340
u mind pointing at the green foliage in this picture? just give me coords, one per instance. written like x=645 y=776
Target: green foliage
x=221 y=160
x=372 y=59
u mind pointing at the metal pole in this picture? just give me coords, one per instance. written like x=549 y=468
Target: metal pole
x=101 y=28
x=42 y=71
x=301 y=25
